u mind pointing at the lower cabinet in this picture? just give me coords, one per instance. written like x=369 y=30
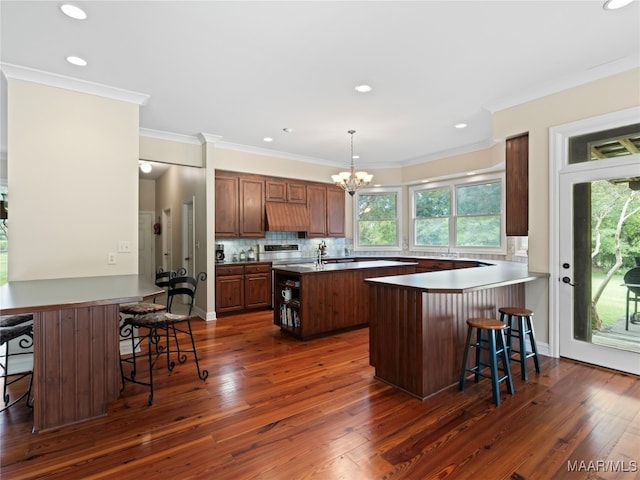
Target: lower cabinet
x=243 y=287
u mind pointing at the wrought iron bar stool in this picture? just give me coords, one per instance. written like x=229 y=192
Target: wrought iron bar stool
x=490 y=338
x=158 y=325
x=14 y=327
x=520 y=327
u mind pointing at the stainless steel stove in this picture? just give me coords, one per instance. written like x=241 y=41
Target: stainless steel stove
x=281 y=254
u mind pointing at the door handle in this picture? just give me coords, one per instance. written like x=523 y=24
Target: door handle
x=188 y=258
x=567 y=280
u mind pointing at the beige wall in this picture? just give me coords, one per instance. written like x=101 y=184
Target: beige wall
x=73 y=182
x=590 y=100
x=147 y=196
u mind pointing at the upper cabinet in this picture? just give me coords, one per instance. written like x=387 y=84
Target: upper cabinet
x=317 y=207
x=283 y=190
x=335 y=211
x=241 y=200
x=251 y=218
x=517 y=185
x=239 y=207
x=226 y=206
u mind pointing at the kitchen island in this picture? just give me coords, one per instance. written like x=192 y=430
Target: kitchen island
x=418 y=322
x=76 y=362
x=311 y=301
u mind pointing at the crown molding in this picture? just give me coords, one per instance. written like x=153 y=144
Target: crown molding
x=172 y=137
x=208 y=138
x=474 y=147
x=276 y=153
x=596 y=72
x=17 y=72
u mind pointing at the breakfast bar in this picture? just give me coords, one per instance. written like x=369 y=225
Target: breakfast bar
x=76 y=341
x=417 y=323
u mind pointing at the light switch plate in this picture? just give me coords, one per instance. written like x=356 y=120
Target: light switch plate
x=124 y=246
x=111 y=258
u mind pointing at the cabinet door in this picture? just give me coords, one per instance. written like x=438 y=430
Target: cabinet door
x=226 y=207
x=335 y=212
x=257 y=290
x=229 y=293
x=275 y=190
x=251 y=208
x=296 y=192
x=317 y=207
x=517 y=185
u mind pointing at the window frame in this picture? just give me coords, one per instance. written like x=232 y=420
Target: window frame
x=397 y=247
x=452 y=184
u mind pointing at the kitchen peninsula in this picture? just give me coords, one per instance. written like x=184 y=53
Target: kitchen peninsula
x=310 y=300
x=418 y=322
x=76 y=370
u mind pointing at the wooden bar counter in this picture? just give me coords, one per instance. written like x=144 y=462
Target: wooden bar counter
x=76 y=341
x=418 y=322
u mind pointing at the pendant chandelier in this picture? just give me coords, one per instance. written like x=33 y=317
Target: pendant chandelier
x=351 y=181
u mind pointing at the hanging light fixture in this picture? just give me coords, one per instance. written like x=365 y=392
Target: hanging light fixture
x=351 y=181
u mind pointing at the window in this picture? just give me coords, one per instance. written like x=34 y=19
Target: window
x=458 y=216
x=377 y=214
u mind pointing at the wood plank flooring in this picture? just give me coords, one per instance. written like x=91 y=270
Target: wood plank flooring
x=277 y=408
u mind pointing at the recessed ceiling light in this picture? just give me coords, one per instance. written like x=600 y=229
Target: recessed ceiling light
x=461 y=125
x=81 y=62
x=146 y=167
x=355 y=157
x=615 y=4
x=268 y=139
x=363 y=88
x=73 y=11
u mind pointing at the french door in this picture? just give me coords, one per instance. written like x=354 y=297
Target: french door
x=594 y=198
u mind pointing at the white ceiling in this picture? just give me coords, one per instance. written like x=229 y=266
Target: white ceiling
x=245 y=70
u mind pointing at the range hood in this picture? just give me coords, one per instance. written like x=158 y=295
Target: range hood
x=287 y=217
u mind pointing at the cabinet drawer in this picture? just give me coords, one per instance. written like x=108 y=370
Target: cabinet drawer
x=223 y=271
x=261 y=268
x=434 y=265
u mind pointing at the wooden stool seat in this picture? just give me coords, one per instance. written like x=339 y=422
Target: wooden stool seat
x=522 y=319
x=490 y=338
x=486 y=323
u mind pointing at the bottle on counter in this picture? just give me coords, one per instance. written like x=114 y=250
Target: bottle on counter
x=251 y=255
x=243 y=256
x=234 y=257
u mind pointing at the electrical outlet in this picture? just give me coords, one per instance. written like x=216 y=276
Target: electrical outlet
x=111 y=258
x=124 y=246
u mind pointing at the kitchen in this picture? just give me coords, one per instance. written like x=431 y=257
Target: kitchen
x=112 y=195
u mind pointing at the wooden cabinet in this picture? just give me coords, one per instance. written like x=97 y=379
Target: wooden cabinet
x=252 y=213
x=335 y=211
x=239 y=207
x=281 y=190
x=226 y=206
x=517 y=185
x=257 y=286
x=241 y=198
x=322 y=302
x=243 y=287
x=317 y=207
x=229 y=289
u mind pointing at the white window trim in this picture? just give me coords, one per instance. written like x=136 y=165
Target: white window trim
x=452 y=184
x=356 y=240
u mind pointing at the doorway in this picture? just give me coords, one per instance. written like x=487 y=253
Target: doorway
x=188 y=237
x=167 y=235
x=597 y=197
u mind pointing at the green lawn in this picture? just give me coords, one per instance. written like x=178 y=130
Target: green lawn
x=611 y=307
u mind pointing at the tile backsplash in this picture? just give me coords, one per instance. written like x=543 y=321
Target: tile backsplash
x=516 y=247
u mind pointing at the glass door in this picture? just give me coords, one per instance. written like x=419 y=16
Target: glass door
x=599 y=244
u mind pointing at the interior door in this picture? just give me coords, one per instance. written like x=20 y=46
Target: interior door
x=167 y=235
x=145 y=245
x=585 y=189
x=188 y=237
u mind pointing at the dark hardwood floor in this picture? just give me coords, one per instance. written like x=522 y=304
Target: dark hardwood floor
x=278 y=408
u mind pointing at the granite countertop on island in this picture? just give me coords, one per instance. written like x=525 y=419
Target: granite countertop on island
x=308 y=268
x=492 y=273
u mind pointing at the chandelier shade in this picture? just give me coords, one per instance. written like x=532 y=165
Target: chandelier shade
x=351 y=181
